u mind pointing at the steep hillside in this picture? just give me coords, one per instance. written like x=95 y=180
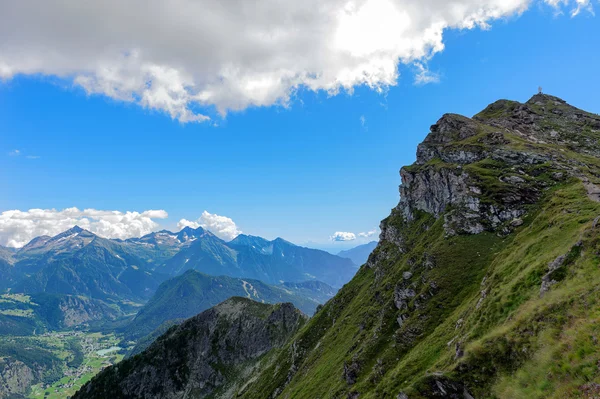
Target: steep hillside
x=359 y=255
x=193 y=292
x=485 y=281
x=202 y=356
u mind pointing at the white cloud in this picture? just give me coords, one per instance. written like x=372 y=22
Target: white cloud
x=184 y=57
x=17 y=228
x=368 y=234
x=363 y=122
x=221 y=226
x=343 y=236
x=424 y=75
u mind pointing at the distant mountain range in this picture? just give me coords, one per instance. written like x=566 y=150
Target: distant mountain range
x=257 y=258
x=193 y=292
x=78 y=262
x=359 y=255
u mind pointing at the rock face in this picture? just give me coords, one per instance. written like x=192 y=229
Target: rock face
x=442 y=180
x=15 y=378
x=201 y=356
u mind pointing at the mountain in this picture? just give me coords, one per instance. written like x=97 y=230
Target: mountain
x=193 y=292
x=257 y=258
x=485 y=280
x=162 y=245
x=280 y=260
x=201 y=357
x=359 y=255
x=481 y=283
x=78 y=262
x=209 y=254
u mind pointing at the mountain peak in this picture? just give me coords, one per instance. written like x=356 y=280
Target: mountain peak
x=75 y=230
x=542 y=98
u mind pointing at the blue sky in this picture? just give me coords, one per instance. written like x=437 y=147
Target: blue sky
x=302 y=171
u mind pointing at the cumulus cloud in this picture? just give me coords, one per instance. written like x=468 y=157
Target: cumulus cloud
x=343 y=236
x=368 y=234
x=189 y=57
x=17 y=228
x=221 y=226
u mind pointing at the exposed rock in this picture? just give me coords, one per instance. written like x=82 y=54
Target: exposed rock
x=432 y=190
x=191 y=359
x=442 y=387
x=351 y=371
x=547 y=279
x=15 y=378
x=516 y=222
x=402 y=295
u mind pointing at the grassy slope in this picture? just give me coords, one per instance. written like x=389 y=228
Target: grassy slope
x=516 y=344
x=359 y=324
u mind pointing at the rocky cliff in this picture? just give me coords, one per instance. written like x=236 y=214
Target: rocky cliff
x=203 y=356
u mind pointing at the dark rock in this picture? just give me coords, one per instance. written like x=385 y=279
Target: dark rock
x=351 y=371
x=191 y=356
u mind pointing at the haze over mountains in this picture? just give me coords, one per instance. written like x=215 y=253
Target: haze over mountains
x=359 y=255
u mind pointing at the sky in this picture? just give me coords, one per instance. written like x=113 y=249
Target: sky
x=278 y=120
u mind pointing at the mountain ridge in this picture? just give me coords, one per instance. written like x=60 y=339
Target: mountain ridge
x=201 y=356
x=488 y=253
x=193 y=292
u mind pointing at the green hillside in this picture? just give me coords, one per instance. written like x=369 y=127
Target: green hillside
x=485 y=283
x=193 y=292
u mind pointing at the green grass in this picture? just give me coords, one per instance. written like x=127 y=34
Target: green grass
x=508 y=336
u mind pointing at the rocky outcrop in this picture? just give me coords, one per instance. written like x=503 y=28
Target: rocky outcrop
x=479 y=177
x=15 y=378
x=200 y=356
